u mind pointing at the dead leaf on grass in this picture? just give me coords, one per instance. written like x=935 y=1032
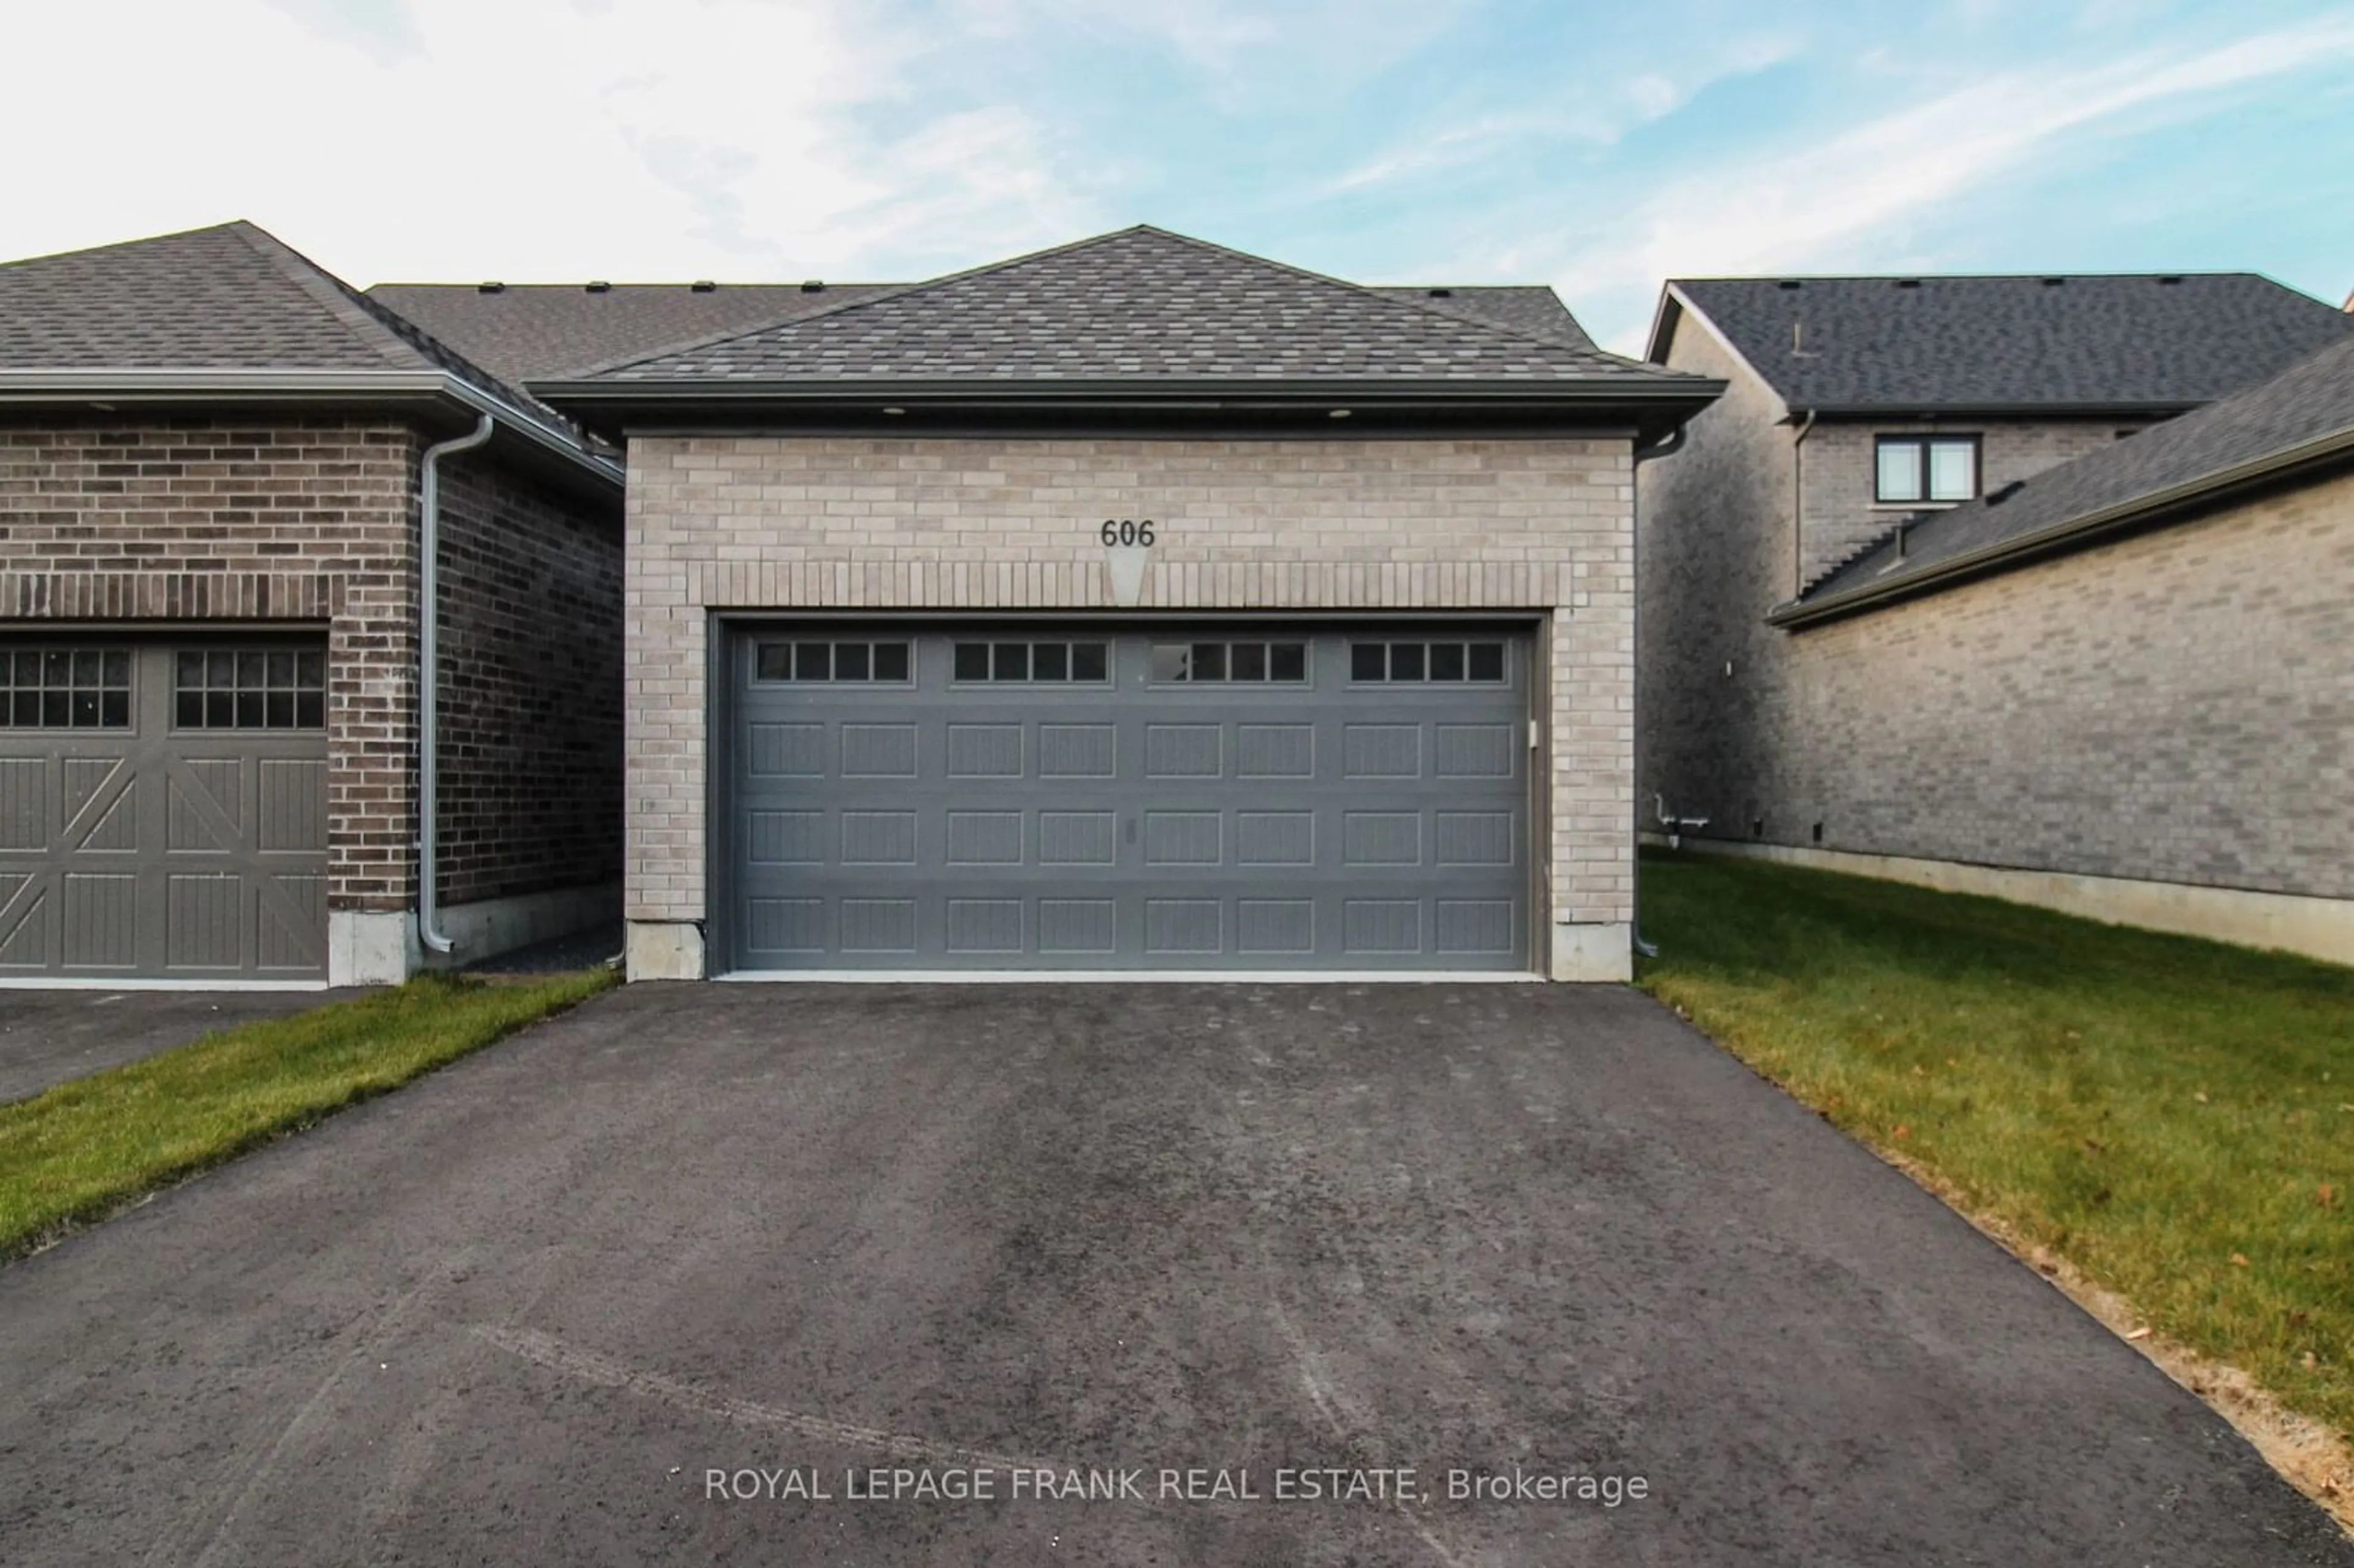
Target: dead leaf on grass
x=2240 y=1260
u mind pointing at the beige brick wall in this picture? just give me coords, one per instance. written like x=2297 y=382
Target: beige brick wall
x=1841 y=516
x=720 y=523
x=2175 y=707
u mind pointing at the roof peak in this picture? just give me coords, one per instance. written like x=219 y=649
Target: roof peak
x=1496 y=335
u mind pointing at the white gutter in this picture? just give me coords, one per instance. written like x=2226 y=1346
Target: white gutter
x=428 y=676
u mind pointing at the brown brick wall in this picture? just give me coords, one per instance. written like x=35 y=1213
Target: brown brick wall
x=311 y=521
x=251 y=520
x=531 y=686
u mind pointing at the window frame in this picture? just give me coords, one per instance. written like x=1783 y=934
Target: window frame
x=294 y=689
x=1924 y=443
x=1465 y=643
x=1227 y=679
x=760 y=642
x=1069 y=645
x=100 y=688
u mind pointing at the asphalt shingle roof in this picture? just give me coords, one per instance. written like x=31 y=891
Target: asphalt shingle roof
x=2312 y=401
x=1142 y=304
x=233 y=297
x=230 y=297
x=1990 y=342
x=533 y=332
x=530 y=332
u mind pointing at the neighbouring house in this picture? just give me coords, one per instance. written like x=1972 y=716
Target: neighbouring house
x=1135 y=606
x=2040 y=587
x=214 y=460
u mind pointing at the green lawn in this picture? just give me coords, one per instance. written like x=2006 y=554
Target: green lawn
x=85 y=1148
x=2175 y=1117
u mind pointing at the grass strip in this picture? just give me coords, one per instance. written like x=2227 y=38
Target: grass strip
x=81 y=1149
x=2172 y=1117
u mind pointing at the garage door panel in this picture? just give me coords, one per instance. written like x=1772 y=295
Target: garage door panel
x=293 y=804
x=99 y=924
x=25 y=924
x=24 y=803
x=1079 y=751
x=1145 y=820
x=203 y=920
x=168 y=818
x=291 y=915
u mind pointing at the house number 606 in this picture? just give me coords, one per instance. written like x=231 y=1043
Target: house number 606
x=1128 y=531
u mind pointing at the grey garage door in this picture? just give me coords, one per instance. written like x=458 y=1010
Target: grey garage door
x=163 y=809
x=1066 y=799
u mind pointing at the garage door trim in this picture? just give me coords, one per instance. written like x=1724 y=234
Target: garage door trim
x=728 y=646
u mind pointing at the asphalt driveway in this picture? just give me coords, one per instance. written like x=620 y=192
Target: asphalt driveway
x=48 y=1037
x=520 y=1312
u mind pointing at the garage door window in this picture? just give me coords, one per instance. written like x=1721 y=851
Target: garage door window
x=1054 y=662
x=832 y=660
x=67 y=688
x=1192 y=663
x=249 y=688
x=1418 y=661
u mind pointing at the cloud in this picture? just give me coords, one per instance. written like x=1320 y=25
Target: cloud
x=526 y=139
x=1238 y=50
x=1842 y=202
x=1599 y=117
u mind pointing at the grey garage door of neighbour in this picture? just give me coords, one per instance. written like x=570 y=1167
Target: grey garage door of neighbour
x=163 y=809
x=1197 y=797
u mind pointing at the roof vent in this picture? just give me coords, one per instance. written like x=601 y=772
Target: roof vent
x=2053 y=282
x=813 y=286
x=1442 y=294
x=1997 y=496
x=1908 y=282
x=493 y=287
x=703 y=286
x=2170 y=276
x=1787 y=284
x=598 y=286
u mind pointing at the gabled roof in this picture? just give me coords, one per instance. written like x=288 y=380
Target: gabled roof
x=528 y=332
x=1143 y=328
x=2148 y=343
x=2300 y=422
x=533 y=332
x=1138 y=305
x=232 y=314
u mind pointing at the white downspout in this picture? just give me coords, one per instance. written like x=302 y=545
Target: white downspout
x=429 y=677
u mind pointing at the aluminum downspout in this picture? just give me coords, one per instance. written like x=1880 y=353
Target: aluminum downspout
x=1798 y=505
x=429 y=680
x=1668 y=448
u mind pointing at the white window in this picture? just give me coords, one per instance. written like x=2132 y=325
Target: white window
x=1927 y=468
